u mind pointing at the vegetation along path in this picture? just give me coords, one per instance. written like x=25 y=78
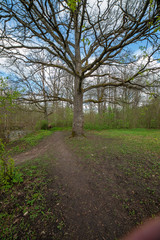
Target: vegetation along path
x=98 y=187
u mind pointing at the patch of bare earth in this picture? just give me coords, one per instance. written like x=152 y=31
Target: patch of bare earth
x=89 y=203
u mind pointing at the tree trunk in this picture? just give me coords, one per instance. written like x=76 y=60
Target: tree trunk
x=77 y=128
x=44 y=96
x=45 y=112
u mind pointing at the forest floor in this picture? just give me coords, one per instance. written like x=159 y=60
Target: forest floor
x=92 y=188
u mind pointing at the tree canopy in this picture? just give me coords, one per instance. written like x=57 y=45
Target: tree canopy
x=79 y=37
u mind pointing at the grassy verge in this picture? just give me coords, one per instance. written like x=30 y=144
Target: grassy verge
x=31 y=140
x=126 y=163
x=28 y=207
x=136 y=140
x=138 y=150
x=25 y=211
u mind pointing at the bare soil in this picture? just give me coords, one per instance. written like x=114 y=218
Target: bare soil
x=92 y=196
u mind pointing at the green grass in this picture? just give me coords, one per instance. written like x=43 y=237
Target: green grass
x=126 y=161
x=24 y=211
x=31 y=140
x=134 y=131
x=137 y=150
x=24 y=205
x=134 y=140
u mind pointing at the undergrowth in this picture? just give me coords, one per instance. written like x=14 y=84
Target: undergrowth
x=24 y=210
x=31 y=140
x=9 y=174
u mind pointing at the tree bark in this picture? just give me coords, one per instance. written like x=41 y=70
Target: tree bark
x=77 y=128
x=44 y=96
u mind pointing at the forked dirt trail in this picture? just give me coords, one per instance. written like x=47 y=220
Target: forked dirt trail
x=87 y=204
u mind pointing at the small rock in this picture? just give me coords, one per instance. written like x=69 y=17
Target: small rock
x=25 y=214
x=16 y=221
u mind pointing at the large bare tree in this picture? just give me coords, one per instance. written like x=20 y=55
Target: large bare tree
x=82 y=34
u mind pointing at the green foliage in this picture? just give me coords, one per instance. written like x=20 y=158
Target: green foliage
x=7 y=94
x=30 y=140
x=60 y=225
x=33 y=138
x=7 y=104
x=86 y=41
x=62 y=118
x=23 y=206
x=8 y=173
x=73 y=4
x=43 y=125
x=158 y=17
x=147 y=116
x=106 y=120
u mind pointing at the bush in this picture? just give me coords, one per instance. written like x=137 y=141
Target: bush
x=8 y=173
x=42 y=125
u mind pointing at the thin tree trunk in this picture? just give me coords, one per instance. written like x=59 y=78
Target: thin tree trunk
x=44 y=96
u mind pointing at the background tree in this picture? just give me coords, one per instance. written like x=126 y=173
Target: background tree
x=8 y=97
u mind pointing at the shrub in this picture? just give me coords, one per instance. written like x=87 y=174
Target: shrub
x=43 y=125
x=8 y=173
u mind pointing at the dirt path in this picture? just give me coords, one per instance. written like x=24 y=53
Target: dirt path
x=43 y=147
x=82 y=206
x=92 y=193
x=88 y=209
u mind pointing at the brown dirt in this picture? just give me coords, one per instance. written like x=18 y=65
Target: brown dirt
x=90 y=211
